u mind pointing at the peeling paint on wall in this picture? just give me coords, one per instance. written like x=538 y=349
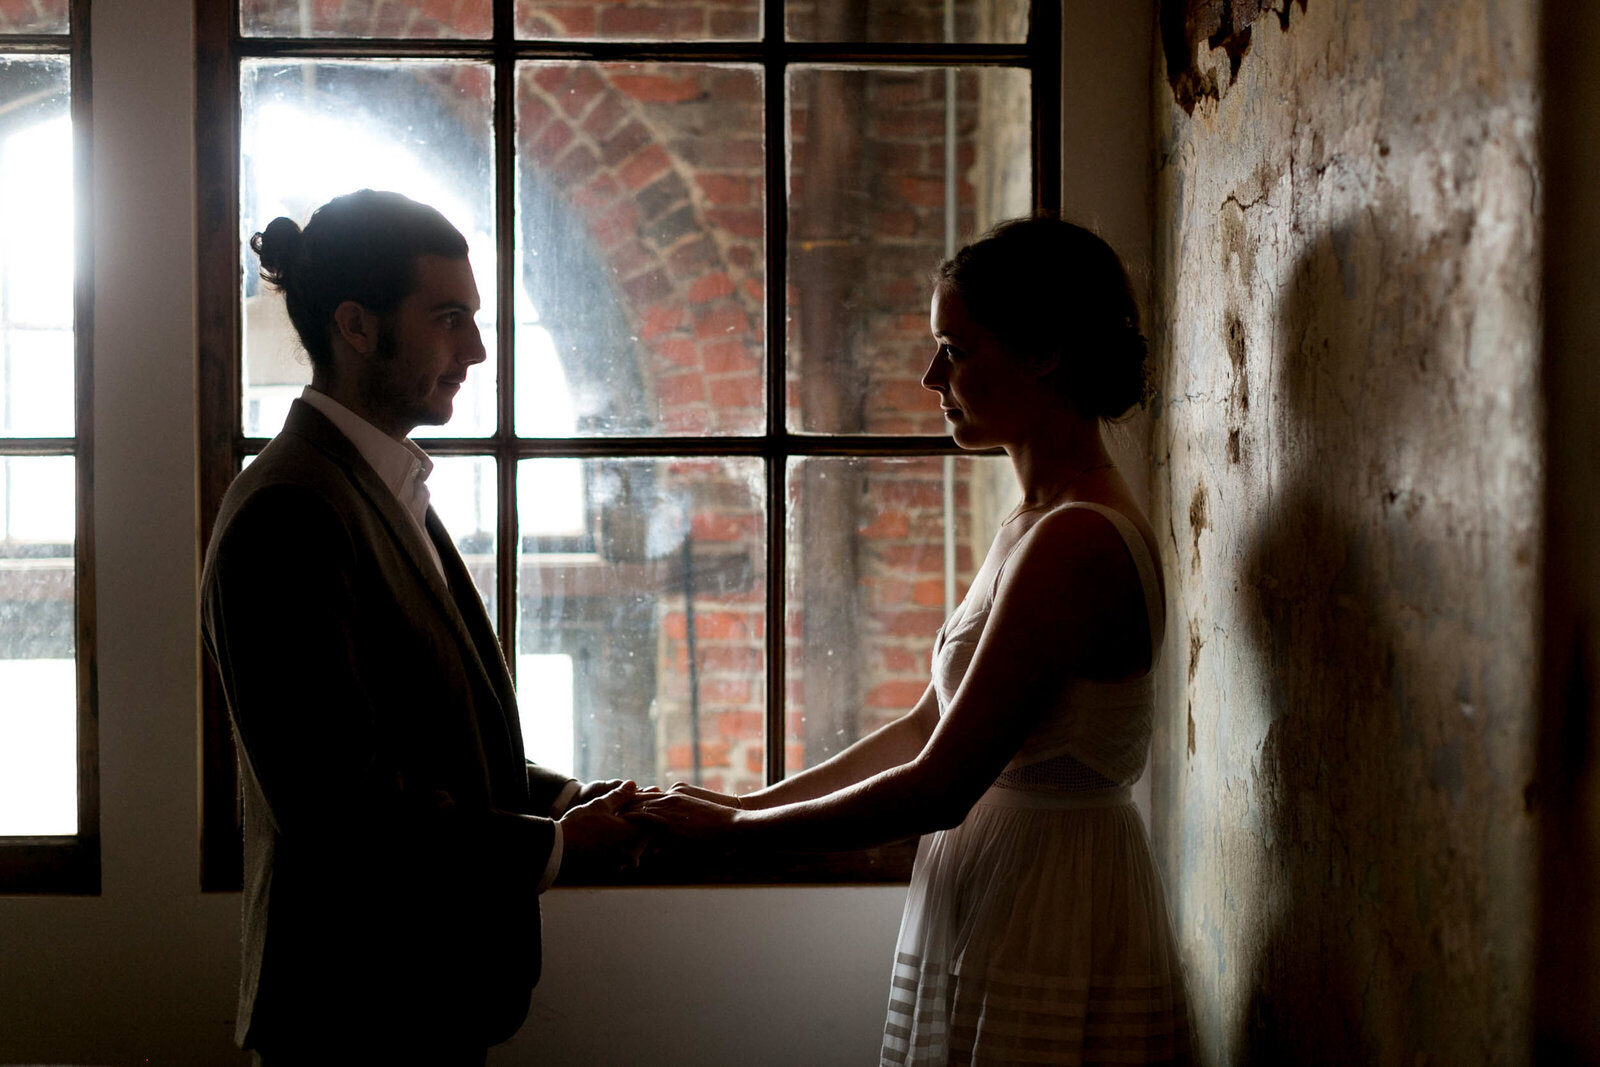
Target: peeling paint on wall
x=1346 y=307
x=1223 y=25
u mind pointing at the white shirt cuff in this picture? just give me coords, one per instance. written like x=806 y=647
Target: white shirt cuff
x=564 y=799
x=553 y=867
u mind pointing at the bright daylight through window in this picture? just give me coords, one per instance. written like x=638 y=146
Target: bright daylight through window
x=38 y=676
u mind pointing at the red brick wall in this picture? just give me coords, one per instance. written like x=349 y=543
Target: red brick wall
x=33 y=16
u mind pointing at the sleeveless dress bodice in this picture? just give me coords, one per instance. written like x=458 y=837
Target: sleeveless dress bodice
x=1037 y=931
x=1103 y=725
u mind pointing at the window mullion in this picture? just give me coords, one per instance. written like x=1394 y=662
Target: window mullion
x=505 y=209
x=85 y=649
x=1044 y=62
x=775 y=140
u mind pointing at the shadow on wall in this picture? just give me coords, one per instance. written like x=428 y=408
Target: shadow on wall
x=1359 y=584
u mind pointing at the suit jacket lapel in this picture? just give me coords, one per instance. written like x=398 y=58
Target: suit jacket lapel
x=308 y=422
x=487 y=651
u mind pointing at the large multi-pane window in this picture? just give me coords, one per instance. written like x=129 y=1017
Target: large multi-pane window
x=710 y=509
x=49 y=816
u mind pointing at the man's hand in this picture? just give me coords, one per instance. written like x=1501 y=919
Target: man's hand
x=596 y=842
x=595 y=790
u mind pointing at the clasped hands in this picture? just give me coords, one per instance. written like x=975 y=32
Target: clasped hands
x=612 y=823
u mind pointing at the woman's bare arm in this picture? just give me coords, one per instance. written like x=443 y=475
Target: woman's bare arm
x=1061 y=607
x=901 y=741
x=889 y=746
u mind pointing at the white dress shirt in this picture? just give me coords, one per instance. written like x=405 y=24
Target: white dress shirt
x=400 y=465
x=404 y=468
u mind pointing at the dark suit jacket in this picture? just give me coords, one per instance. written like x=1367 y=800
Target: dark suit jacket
x=395 y=834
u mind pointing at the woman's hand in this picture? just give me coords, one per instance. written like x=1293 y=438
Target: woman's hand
x=727 y=800
x=680 y=814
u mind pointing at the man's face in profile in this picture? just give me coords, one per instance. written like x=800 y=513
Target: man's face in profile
x=426 y=346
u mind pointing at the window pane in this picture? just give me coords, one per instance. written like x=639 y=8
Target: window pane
x=874 y=207
x=37 y=16
x=650 y=619
x=639 y=261
x=641 y=20
x=880 y=551
x=366 y=18
x=464 y=491
x=922 y=21
x=36 y=248
x=315 y=130
x=38 y=677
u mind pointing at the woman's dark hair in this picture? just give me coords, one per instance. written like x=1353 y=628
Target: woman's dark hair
x=1045 y=287
x=362 y=246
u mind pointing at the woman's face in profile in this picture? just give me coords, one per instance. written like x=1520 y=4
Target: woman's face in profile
x=984 y=391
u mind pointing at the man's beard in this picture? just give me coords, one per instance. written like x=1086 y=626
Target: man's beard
x=383 y=392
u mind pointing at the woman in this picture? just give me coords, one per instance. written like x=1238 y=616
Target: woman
x=1035 y=928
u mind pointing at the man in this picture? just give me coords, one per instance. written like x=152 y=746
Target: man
x=396 y=839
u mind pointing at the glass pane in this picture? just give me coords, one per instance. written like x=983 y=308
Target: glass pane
x=641 y=20
x=880 y=551
x=314 y=130
x=875 y=204
x=366 y=18
x=34 y=16
x=908 y=21
x=639 y=254
x=38 y=676
x=640 y=632
x=36 y=248
x=464 y=491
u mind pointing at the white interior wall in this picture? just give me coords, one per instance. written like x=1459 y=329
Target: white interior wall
x=1107 y=170
x=146 y=971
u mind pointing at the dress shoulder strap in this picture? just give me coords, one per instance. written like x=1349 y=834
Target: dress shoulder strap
x=1155 y=610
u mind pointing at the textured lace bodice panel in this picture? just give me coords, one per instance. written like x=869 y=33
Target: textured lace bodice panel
x=1059 y=774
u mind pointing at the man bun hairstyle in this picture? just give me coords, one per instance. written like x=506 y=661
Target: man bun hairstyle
x=1046 y=287
x=363 y=247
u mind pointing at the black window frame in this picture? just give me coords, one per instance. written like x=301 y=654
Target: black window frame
x=71 y=864
x=220 y=50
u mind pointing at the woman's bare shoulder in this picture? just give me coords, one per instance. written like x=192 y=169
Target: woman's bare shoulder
x=1072 y=576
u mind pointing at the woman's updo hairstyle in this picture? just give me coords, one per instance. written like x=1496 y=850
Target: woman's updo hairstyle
x=362 y=246
x=1045 y=287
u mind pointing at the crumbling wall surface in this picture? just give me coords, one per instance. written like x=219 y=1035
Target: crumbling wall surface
x=1348 y=466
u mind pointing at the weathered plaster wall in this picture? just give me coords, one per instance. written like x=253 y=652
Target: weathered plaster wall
x=1348 y=463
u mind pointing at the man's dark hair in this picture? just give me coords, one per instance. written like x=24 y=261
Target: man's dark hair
x=362 y=246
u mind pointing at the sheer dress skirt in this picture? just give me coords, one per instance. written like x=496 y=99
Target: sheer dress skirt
x=1036 y=932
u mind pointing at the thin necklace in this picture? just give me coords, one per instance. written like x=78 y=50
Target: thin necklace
x=1021 y=511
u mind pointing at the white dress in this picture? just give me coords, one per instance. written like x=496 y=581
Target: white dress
x=1036 y=931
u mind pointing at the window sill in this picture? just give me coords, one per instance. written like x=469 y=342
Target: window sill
x=66 y=866
x=884 y=865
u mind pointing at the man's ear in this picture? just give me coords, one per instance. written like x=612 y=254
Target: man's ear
x=357 y=326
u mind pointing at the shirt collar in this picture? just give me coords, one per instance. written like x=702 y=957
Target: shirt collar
x=398 y=463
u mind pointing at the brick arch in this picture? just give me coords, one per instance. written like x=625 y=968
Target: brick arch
x=371 y=18
x=658 y=20
x=675 y=217
x=653 y=166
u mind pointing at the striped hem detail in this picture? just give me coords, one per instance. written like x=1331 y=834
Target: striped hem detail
x=1008 y=1017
